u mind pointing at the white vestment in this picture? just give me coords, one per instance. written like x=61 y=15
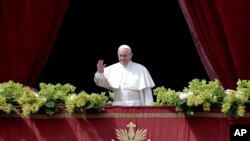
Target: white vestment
x=131 y=84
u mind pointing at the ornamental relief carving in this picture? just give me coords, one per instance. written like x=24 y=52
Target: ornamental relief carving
x=131 y=134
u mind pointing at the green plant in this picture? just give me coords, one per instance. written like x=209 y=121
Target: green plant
x=55 y=95
x=84 y=101
x=198 y=93
x=4 y=106
x=165 y=97
x=110 y=96
x=11 y=91
x=204 y=93
x=235 y=101
x=30 y=101
x=15 y=95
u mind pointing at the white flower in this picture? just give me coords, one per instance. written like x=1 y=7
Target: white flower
x=228 y=91
x=36 y=94
x=239 y=94
x=44 y=98
x=73 y=96
x=183 y=96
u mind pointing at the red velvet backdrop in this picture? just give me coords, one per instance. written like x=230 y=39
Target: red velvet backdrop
x=220 y=31
x=27 y=32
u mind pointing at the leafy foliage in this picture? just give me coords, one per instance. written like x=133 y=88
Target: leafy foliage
x=15 y=94
x=201 y=93
x=165 y=96
x=84 y=101
x=55 y=95
x=204 y=94
x=30 y=101
x=198 y=93
x=235 y=101
x=50 y=96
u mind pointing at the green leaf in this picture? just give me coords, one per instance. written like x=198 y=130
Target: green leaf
x=15 y=109
x=50 y=111
x=233 y=112
x=89 y=105
x=50 y=104
x=179 y=108
x=189 y=112
x=182 y=102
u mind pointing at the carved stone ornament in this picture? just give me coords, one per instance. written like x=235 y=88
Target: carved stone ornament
x=131 y=135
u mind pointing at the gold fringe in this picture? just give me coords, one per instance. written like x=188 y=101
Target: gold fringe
x=120 y=115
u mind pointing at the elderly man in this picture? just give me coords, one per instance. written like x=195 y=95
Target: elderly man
x=130 y=81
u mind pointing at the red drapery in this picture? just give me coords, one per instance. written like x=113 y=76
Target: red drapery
x=161 y=123
x=27 y=32
x=220 y=32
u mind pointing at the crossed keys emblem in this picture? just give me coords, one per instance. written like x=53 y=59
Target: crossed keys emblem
x=131 y=134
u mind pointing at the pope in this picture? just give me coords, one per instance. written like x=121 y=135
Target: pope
x=131 y=82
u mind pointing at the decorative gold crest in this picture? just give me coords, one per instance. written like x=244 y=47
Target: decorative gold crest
x=131 y=135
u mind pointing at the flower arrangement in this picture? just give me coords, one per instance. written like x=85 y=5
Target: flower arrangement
x=50 y=96
x=84 y=101
x=9 y=92
x=198 y=94
x=166 y=96
x=235 y=101
x=55 y=94
x=205 y=94
x=30 y=101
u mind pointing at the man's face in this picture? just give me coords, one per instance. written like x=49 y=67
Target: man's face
x=124 y=56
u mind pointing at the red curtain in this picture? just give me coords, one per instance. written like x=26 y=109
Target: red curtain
x=220 y=32
x=161 y=123
x=27 y=32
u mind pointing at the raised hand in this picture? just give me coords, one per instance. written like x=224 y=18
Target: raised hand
x=100 y=66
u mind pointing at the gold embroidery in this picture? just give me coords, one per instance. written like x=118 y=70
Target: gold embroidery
x=121 y=115
x=131 y=135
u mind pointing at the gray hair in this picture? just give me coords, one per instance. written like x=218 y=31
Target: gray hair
x=125 y=46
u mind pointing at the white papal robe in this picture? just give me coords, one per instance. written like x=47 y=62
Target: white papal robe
x=132 y=84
